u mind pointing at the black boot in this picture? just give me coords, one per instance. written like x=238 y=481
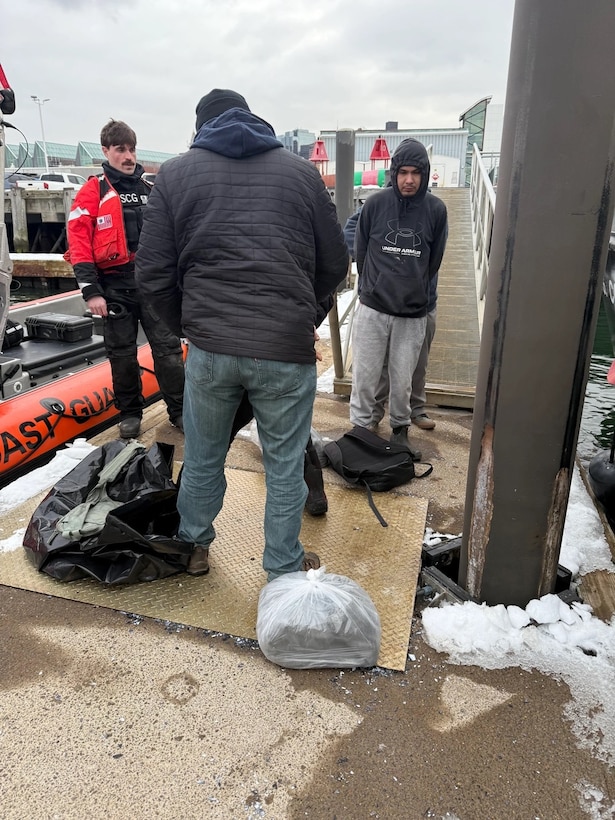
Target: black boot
x=400 y=436
x=316 y=502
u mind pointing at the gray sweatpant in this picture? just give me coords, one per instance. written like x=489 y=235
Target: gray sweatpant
x=418 y=400
x=378 y=338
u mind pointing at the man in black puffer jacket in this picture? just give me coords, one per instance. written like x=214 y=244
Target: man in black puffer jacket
x=240 y=244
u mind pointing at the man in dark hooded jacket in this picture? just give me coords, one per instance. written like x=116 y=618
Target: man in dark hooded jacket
x=399 y=245
x=239 y=246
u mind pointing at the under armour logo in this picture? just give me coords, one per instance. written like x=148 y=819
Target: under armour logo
x=395 y=231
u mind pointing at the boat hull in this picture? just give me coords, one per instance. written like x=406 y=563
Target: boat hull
x=54 y=391
x=35 y=423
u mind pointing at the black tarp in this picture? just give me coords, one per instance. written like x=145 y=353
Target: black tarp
x=138 y=541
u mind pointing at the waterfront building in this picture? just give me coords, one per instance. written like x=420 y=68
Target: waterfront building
x=11 y=155
x=492 y=141
x=484 y=122
x=298 y=141
x=84 y=155
x=90 y=153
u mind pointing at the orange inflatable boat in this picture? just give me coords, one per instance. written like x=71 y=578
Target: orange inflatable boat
x=55 y=381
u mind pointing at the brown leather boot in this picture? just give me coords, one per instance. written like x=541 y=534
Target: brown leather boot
x=199 y=561
x=310 y=561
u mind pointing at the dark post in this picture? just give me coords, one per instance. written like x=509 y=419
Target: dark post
x=551 y=229
x=344 y=174
x=6 y=266
x=344 y=203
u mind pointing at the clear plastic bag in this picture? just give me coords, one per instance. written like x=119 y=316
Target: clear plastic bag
x=308 y=620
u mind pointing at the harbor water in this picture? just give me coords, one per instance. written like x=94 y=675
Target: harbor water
x=598 y=419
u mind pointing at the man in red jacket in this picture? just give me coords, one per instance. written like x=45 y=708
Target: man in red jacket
x=103 y=234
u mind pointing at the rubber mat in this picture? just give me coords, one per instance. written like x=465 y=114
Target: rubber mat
x=350 y=541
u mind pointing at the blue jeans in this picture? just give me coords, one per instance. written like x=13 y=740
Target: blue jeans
x=282 y=396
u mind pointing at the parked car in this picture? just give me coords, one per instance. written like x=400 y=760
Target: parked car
x=68 y=180
x=148 y=176
x=17 y=180
x=11 y=180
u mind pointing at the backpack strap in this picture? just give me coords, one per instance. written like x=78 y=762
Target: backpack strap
x=334 y=454
x=426 y=472
x=372 y=504
x=370 y=498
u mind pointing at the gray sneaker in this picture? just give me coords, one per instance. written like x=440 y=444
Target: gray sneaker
x=130 y=427
x=424 y=422
x=400 y=436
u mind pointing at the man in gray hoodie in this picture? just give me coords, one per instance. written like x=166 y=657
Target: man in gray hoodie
x=239 y=246
x=400 y=240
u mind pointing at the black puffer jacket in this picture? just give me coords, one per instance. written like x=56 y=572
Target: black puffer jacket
x=240 y=243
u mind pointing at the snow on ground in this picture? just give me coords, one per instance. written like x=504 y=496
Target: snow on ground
x=38 y=481
x=566 y=642
x=44 y=477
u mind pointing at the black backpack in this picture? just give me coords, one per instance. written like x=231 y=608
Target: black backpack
x=362 y=457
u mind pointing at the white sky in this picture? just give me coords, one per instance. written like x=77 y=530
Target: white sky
x=316 y=65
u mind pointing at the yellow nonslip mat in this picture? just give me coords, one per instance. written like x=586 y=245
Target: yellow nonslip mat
x=350 y=541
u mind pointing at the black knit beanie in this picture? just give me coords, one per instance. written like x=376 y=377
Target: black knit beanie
x=217 y=102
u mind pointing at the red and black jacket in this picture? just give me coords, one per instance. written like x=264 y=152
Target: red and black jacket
x=99 y=249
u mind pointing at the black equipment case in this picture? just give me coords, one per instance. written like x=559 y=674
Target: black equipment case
x=59 y=326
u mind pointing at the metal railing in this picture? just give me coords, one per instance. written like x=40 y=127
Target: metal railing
x=342 y=350
x=482 y=198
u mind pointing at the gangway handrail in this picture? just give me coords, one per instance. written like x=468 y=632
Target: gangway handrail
x=342 y=351
x=482 y=199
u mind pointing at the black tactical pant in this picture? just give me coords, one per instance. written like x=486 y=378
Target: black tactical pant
x=120 y=332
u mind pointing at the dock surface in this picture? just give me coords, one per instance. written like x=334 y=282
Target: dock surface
x=111 y=715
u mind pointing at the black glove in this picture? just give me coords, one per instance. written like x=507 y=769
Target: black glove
x=7 y=104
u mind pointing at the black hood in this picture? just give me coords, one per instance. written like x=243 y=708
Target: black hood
x=237 y=133
x=411 y=152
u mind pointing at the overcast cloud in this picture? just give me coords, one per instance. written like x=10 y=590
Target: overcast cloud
x=299 y=63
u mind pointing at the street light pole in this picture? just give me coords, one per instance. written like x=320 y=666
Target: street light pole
x=40 y=104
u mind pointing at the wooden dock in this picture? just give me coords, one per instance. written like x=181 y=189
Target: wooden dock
x=453 y=359
x=37 y=219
